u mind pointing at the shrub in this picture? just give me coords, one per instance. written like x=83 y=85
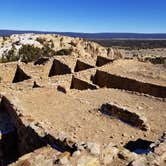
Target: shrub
x=29 y=53
x=45 y=43
x=48 y=52
x=9 y=56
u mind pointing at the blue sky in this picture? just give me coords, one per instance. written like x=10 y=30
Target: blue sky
x=148 y=16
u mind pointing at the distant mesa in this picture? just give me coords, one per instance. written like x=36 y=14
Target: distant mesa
x=92 y=35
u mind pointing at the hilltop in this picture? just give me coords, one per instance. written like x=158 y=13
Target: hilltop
x=29 y=47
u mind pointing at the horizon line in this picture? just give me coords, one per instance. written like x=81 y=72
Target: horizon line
x=83 y=32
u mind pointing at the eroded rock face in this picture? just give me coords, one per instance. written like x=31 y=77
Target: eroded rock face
x=60 y=44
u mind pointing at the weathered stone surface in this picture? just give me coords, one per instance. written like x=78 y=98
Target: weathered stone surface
x=138 y=162
x=88 y=161
x=159 y=151
x=108 y=154
x=93 y=148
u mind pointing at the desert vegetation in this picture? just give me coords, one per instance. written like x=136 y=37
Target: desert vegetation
x=28 y=53
x=9 y=56
x=30 y=47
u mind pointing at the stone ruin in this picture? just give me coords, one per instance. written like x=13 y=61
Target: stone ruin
x=83 y=112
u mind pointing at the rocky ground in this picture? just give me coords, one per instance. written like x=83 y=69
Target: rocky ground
x=155 y=55
x=89 y=108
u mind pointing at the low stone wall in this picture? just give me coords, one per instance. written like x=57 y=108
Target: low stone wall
x=104 y=79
